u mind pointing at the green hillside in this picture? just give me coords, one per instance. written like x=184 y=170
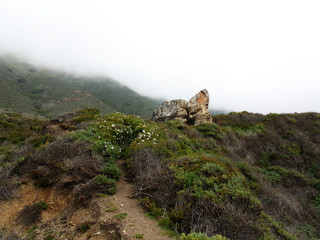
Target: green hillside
x=48 y=93
x=245 y=176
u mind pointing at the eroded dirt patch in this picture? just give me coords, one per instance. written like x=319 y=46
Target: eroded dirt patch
x=29 y=194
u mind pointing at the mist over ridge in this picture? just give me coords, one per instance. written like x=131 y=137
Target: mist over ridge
x=49 y=93
x=246 y=59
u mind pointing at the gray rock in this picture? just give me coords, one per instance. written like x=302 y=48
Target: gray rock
x=175 y=109
x=193 y=112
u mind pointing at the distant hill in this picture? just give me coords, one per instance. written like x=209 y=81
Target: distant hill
x=44 y=92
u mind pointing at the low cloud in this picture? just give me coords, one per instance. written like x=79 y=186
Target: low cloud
x=255 y=56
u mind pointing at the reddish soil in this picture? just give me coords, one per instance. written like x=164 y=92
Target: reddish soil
x=29 y=194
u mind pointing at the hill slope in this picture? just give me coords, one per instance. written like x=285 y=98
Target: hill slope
x=48 y=93
x=244 y=176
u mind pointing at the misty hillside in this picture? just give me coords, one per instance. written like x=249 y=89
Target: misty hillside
x=243 y=177
x=48 y=93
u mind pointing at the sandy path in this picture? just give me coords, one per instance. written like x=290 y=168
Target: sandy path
x=136 y=221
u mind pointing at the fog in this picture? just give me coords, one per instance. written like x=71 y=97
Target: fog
x=258 y=56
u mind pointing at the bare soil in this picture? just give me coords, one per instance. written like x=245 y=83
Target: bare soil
x=28 y=194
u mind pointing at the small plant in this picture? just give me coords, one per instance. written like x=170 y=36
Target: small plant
x=201 y=236
x=49 y=237
x=101 y=195
x=83 y=227
x=43 y=205
x=31 y=230
x=152 y=208
x=120 y=216
x=294 y=149
x=113 y=209
x=112 y=190
x=103 y=179
x=138 y=236
x=111 y=170
x=89 y=236
x=166 y=223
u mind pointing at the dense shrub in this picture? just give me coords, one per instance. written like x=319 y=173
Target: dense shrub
x=153 y=178
x=65 y=162
x=210 y=130
x=85 y=115
x=7 y=189
x=30 y=214
x=16 y=128
x=84 y=226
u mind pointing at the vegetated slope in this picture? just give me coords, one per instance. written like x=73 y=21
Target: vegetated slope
x=11 y=96
x=245 y=176
x=120 y=97
x=50 y=93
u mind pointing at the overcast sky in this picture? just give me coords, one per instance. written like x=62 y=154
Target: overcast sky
x=259 y=56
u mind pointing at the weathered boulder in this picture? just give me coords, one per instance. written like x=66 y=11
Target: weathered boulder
x=175 y=109
x=201 y=97
x=193 y=112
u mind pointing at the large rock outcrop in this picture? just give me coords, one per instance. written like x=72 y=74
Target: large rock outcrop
x=193 y=112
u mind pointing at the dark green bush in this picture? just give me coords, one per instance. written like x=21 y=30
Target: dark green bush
x=210 y=130
x=43 y=205
x=87 y=114
x=83 y=227
x=30 y=214
x=111 y=170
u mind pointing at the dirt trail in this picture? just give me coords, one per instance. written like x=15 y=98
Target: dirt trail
x=136 y=221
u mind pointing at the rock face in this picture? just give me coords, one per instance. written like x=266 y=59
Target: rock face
x=193 y=112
